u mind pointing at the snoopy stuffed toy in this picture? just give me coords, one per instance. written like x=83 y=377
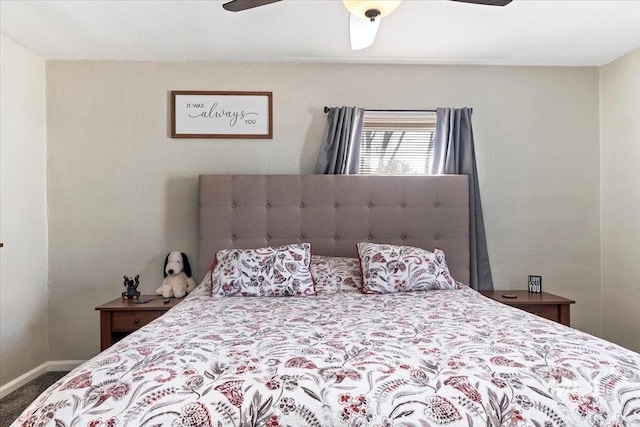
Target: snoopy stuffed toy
x=177 y=276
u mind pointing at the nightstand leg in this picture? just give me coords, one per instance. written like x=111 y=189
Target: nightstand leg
x=565 y=314
x=105 y=330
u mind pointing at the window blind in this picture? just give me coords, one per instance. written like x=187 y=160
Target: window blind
x=397 y=142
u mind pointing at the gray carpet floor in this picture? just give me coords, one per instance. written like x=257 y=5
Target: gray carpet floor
x=12 y=405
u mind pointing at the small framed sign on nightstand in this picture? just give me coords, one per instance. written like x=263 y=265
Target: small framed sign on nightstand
x=535 y=284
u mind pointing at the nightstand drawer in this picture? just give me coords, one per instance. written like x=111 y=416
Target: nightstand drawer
x=118 y=318
x=128 y=321
x=547 y=311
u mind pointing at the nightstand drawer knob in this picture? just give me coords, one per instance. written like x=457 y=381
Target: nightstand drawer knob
x=136 y=320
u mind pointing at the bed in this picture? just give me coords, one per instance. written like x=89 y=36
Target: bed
x=341 y=357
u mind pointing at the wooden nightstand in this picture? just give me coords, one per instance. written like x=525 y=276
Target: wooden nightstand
x=118 y=318
x=544 y=304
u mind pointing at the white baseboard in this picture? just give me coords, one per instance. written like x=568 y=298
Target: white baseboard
x=63 y=365
x=50 y=366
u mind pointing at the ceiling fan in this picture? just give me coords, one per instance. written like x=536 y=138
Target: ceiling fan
x=364 y=16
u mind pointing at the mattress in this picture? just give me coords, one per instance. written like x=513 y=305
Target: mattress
x=344 y=358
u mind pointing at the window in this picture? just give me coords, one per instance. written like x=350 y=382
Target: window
x=397 y=142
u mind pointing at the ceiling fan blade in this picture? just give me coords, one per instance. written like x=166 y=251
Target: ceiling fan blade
x=240 y=5
x=362 y=32
x=487 y=2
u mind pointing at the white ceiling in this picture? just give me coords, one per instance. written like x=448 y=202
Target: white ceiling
x=526 y=32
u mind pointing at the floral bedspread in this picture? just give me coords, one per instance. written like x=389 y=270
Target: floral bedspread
x=435 y=358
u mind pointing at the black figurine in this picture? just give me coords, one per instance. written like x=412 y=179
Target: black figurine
x=132 y=287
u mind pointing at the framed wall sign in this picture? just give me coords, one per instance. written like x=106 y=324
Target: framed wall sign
x=208 y=114
x=535 y=284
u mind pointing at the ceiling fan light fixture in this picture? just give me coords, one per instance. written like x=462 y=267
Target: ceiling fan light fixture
x=371 y=10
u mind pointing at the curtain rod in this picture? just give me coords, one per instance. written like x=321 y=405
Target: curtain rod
x=326 y=110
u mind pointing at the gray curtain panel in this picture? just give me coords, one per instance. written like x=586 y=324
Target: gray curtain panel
x=340 y=149
x=454 y=153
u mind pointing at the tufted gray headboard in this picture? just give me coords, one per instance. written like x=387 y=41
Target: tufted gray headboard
x=334 y=212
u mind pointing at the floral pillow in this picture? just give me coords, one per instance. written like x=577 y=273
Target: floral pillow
x=335 y=274
x=273 y=271
x=388 y=268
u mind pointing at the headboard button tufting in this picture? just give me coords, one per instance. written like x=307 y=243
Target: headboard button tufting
x=267 y=206
x=232 y=214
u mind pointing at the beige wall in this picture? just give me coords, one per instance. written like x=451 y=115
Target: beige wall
x=23 y=212
x=620 y=181
x=122 y=193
